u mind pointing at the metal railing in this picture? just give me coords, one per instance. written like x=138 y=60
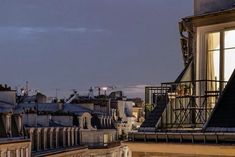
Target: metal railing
x=190 y=102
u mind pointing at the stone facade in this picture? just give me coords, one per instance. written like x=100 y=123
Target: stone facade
x=51 y=140
x=48 y=138
x=99 y=137
x=8 y=128
x=8 y=96
x=55 y=129
x=118 y=151
x=15 y=148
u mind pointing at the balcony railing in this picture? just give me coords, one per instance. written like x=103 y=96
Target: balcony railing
x=190 y=102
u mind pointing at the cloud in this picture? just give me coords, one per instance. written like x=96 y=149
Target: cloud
x=15 y=33
x=80 y=30
x=134 y=89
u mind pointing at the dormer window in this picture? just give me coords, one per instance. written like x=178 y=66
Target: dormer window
x=216 y=53
x=85 y=123
x=220 y=54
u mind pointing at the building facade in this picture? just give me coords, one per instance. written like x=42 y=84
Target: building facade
x=13 y=142
x=29 y=126
x=190 y=102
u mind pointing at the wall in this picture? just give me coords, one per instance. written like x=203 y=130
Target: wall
x=123 y=128
x=89 y=106
x=119 y=151
x=129 y=108
x=8 y=96
x=29 y=119
x=43 y=119
x=205 y=6
x=103 y=109
x=32 y=119
x=63 y=120
x=121 y=109
x=125 y=109
x=96 y=137
x=72 y=153
x=15 y=148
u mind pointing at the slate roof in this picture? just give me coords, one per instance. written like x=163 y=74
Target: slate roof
x=6 y=107
x=47 y=107
x=51 y=107
x=75 y=108
x=223 y=115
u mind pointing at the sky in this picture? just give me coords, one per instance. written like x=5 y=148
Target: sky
x=76 y=44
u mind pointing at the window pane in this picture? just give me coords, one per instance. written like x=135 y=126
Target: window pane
x=229 y=39
x=213 y=65
x=213 y=41
x=229 y=64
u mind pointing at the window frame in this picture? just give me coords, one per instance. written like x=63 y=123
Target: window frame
x=202 y=48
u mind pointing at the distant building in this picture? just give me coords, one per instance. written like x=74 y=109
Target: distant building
x=138 y=111
x=34 y=127
x=12 y=137
x=115 y=106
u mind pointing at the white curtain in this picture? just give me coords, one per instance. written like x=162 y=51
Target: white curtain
x=213 y=58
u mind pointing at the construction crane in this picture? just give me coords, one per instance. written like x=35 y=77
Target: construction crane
x=75 y=95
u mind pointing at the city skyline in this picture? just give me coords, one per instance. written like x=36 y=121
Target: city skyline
x=78 y=44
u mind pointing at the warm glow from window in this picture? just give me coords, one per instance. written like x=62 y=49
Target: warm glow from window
x=229 y=54
x=214 y=54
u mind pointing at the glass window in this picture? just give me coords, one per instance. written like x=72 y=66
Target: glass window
x=229 y=53
x=229 y=39
x=213 y=56
x=213 y=41
x=229 y=63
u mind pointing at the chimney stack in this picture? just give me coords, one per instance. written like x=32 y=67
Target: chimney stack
x=208 y=6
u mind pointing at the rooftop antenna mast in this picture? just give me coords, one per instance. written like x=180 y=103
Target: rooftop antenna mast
x=91 y=93
x=99 y=89
x=27 y=88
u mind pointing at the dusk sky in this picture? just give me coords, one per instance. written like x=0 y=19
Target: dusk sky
x=75 y=44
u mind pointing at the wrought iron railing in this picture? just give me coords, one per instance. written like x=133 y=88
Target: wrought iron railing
x=190 y=102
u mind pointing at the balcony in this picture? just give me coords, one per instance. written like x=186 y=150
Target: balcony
x=189 y=103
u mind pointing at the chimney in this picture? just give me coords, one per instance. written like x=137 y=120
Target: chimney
x=60 y=106
x=209 y=6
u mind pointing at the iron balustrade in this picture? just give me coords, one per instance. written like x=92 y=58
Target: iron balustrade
x=190 y=102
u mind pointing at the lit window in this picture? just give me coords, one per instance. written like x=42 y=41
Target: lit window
x=215 y=55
